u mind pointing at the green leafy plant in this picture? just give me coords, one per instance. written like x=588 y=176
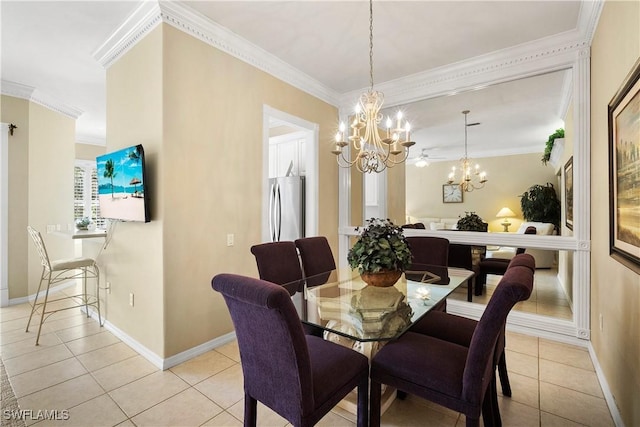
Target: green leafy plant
x=83 y=223
x=559 y=133
x=540 y=203
x=381 y=246
x=471 y=222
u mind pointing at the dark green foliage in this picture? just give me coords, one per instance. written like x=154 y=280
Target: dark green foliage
x=559 y=133
x=540 y=203
x=381 y=246
x=471 y=222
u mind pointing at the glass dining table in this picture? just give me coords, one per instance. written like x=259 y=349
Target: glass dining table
x=353 y=314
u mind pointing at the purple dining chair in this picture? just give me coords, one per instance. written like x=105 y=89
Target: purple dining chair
x=278 y=263
x=300 y=377
x=458 y=377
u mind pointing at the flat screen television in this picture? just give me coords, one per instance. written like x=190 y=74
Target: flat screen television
x=122 y=185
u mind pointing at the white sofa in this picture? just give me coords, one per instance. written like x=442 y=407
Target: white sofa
x=544 y=258
x=435 y=223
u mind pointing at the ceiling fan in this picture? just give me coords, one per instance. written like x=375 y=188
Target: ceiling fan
x=424 y=159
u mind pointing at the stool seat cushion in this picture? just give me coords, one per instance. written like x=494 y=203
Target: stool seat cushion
x=70 y=264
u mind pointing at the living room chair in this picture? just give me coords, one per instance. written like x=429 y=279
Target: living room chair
x=496 y=266
x=58 y=271
x=452 y=375
x=300 y=377
x=278 y=263
x=459 y=330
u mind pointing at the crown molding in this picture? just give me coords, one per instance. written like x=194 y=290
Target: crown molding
x=144 y=19
x=29 y=93
x=544 y=55
x=150 y=14
x=16 y=90
x=552 y=53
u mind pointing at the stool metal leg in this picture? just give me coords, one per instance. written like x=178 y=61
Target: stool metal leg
x=35 y=301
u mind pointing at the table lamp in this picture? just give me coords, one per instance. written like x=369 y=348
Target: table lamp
x=505 y=213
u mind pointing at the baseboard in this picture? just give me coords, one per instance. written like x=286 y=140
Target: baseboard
x=198 y=350
x=152 y=357
x=22 y=300
x=606 y=390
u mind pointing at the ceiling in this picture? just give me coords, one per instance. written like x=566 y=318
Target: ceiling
x=50 y=46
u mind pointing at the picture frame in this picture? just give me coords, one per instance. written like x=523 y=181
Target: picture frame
x=624 y=171
x=568 y=194
x=452 y=193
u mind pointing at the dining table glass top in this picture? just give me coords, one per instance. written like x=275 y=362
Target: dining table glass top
x=339 y=302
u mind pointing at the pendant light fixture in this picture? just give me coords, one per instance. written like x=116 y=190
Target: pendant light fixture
x=373 y=152
x=468 y=178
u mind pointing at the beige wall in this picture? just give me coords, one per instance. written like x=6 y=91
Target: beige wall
x=396 y=194
x=40 y=188
x=16 y=111
x=51 y=162
x=200 y=121
x=134 y=259
x=89 y=151
x=615 y=289
x=508 y=177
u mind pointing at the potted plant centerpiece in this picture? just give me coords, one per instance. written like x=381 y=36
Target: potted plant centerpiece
x=381 y=253
x=471 y=221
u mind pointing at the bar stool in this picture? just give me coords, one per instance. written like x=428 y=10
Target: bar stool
x=54 y=272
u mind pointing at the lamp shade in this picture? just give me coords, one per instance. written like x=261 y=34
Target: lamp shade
x=505 y=213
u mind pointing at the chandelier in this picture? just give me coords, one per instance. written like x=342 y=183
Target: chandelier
x=469 y=178
x=374 y=153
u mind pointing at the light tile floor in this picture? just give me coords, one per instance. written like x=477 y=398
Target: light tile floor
x=547 y=298
x=102 y=382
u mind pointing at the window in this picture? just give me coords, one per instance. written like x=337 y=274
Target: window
x=85 y=193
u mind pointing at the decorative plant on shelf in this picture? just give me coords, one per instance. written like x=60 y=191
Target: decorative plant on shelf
x=559 y=133
x=471 y=222
x=380 y=248
x=83 y=223
x=540 y=203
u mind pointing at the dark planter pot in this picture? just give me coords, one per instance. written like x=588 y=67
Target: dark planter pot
x=382 y=279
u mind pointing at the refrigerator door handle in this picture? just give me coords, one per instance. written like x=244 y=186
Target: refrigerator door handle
x=279 y=212
x=272 y=211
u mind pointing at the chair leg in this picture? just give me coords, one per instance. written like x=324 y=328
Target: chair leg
x=470 y=286
x=250 y=411
x=35 y=301
x=97 y=273
x=84 y=291
x=504 y=377
x=374 y=404
x=44 y=309
x=481 y=280
x=490 y=409
x=363 y=402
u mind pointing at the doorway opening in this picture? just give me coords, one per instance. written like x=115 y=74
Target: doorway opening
x=290 y=148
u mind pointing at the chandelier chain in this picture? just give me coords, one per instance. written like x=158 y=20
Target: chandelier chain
x=371 y=43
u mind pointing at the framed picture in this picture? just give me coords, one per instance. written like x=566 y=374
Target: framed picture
x=624 y=171
x=451 y=193
x=568 y=194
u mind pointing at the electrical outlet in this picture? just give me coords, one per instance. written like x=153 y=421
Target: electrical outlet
x=230 y=238
x=131 y=299
x=51 y=228
x=58 y=227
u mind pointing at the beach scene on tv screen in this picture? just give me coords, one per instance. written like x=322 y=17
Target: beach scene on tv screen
x=120 y=184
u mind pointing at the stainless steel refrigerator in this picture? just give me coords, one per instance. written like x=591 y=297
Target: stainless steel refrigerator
x=286 y=208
